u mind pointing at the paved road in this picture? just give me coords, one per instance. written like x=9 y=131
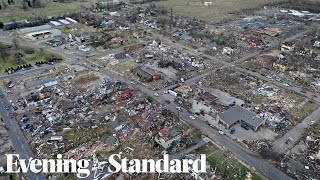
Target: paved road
x=295 y=133
x=18 y=140
x=264 y=167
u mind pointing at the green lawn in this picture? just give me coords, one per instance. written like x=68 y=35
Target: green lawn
x=231 y=168
x=216 y=158
x=38 y=55
x=258 y=99
x=50 y=9
x=227 y=166
x=72 y=136
x=309 y=107
x=66 y=30
x=7 y=63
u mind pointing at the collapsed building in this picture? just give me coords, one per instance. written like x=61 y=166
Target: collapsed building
x=146 y=74
x=168 y=136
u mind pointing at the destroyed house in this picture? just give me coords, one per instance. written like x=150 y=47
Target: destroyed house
x=207 y=98
x=68 y=105
x=287 y=46
x=146 y=74
x=183 y=36
x=51 y=84
x=237 y=114
x=269 y=31
x=123 y=95
x=264 y=61
x=145 y=120
x=110 y=87
x=111 y=144
x=167 y=136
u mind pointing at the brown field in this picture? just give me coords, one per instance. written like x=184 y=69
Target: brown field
x=219 y=11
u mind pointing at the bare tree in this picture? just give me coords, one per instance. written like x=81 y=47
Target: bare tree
x=15 y=43
x=3 y=51
x=171 y=15
x=36 y=3
x=4 y=5
x=24 y=5
x=17 y=57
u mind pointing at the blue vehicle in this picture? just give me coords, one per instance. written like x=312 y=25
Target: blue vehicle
x=232 y=130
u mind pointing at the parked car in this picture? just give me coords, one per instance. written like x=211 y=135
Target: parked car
x=193 y=118
x=24 y=119
x=156 y=94
x=232 y=130
x=221 y=132
x=179 y=108
x=245 y=126
x=7 y=107
x=26 y=126
x=15 y=108
x=289 y=140
x=167 y=101
x=286 y=85
x=311 y=123
x=11 y=115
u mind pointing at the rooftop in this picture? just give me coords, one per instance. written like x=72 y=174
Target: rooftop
x=237 y=113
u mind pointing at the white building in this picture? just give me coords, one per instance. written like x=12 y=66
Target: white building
x=207 y=3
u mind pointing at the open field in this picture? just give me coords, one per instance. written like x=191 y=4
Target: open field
x=15 y=12
x=227 y=166
x=35 y=55
x=219 y=11
x=39 y=55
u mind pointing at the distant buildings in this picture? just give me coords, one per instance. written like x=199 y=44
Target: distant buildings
x=39 y=32
x=37 y=22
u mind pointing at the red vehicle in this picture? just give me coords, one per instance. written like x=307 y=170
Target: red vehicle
x=11 y=115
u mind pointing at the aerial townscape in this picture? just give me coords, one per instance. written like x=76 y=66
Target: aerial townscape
x=235 y=80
